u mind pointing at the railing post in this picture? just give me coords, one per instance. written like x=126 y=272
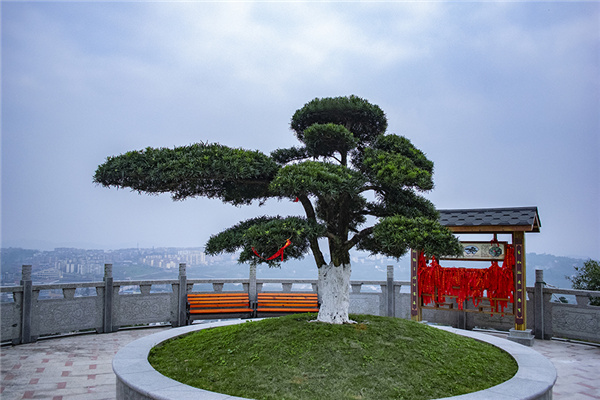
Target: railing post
x=107 y=321
x=538 y=301
x=182 y=296
x=391 y=309
x=252 y=293
x=27 y=304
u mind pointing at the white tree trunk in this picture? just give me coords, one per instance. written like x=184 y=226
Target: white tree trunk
x=334 y=287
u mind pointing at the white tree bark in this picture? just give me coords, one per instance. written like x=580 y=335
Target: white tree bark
x=334 y=287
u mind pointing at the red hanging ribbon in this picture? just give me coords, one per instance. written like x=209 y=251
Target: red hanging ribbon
x=279 y=252
x=436 y=282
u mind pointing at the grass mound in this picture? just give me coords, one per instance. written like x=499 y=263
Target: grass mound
x=290 y=358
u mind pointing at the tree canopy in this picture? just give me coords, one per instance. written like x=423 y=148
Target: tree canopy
x=358 y=186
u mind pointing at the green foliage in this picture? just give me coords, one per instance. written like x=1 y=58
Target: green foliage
x=587 y=278
x=266 y=235
x=289 y=358
x=235 y=176
x=316 y=178
x=366 y=121
x=394 y=162
x=324 y=140
x=284 y=156
x=393 y=236
x=402 y=202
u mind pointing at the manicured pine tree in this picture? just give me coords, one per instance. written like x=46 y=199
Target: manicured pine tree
x=357 y=186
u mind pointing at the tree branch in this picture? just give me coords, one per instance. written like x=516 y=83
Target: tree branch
x=308 y=207
x=358 y=237
x=314 y=242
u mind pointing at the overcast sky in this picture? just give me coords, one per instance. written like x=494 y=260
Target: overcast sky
x=503 y=97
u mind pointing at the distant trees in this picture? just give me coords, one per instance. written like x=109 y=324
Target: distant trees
x=357 y=186
x=587 y=278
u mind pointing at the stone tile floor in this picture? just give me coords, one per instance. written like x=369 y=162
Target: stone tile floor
x=577 y=367
x=80 y=367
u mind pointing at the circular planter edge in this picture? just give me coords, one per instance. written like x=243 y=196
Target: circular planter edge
x=137 y=380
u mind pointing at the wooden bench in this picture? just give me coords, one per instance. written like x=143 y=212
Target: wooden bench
x=218 y=305
x=277 y=304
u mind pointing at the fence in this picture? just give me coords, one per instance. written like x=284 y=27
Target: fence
x=109 y=305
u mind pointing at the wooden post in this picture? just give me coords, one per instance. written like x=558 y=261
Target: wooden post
x=520 y=297
x=415 y=302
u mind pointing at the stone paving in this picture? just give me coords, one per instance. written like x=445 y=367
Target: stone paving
x=80 y=367
x=577 y=367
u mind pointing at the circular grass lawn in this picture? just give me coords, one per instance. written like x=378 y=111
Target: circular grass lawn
x=292 y=358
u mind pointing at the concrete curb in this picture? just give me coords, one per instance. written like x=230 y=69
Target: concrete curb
x=137 y=380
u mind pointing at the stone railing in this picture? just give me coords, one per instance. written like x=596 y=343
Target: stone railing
x=109 y=305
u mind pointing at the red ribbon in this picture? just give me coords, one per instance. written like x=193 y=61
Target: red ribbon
x=497 y=282
x=278 y=254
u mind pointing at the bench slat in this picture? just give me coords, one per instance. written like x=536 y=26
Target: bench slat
x=220 y=296
x=220 y=310
x=288 y=295
x=200 y=303
x=287 y=310
x=288 y=304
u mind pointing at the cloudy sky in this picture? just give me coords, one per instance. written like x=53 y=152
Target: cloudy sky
x=503 y=97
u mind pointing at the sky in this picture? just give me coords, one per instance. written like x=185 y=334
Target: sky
x=504 y=98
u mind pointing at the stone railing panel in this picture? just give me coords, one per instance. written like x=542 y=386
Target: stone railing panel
x=10 y=318
x=366 y=303
x=137 y=309
x=66 y=315
x=402 y=305
x=575 y=322
x=579 y=321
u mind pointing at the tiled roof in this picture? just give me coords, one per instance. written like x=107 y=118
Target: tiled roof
x=523 y=218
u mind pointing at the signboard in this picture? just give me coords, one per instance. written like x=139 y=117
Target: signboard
x=481 y=251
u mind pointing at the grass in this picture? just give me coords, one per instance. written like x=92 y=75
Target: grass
x=289 y=358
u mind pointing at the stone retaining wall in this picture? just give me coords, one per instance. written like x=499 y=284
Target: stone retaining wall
x=138 y=380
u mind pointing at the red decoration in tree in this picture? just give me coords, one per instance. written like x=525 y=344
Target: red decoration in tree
x=279 y=252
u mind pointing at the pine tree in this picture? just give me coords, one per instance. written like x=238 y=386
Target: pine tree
x=358 y=187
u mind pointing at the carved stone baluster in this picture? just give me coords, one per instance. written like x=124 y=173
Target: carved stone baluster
x=218 y=287
x=68 y=293
x=145 y=289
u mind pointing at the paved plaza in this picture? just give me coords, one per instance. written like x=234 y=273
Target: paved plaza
x=79 y=367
